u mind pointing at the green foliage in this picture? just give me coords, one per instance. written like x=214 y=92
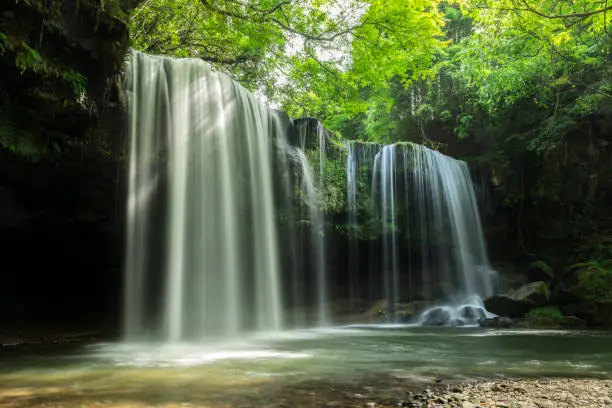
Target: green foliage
x=547 y=312
x=595 y=280
x=21 y=142
x=542 y=266
x=312 y=57
x=29 y=59
x=3 y=41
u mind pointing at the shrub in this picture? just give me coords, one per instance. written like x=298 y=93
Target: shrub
x=595 y=280
x=550 y=312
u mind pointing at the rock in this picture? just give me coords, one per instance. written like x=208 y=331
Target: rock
x=404 y=312
x=471 y=312
x=10 y=212
x=537 y=292
x=455 y=323
x=378 y=309
x=573 y=322
x=496 y=322
x=603 y=316
x=518 y=302
x=382 y=311
x=437 y=317
x=587 y=313
x=584 y=309
x=505 y=305
x=540 y=271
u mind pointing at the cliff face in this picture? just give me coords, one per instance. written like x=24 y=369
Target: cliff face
x=60 y=141
x=58 y=60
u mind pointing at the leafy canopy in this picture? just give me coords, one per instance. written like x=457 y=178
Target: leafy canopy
x=313 y=57
x=381 y=69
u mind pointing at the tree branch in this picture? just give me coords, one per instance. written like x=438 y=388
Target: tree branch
x=530 y=9
x=564 y=16
x=266 y=17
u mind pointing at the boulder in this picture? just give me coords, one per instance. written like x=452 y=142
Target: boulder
x=540 y=271
x=583 y=309
x=518 y=302
x=603 y=316
x=437 y=317
x=402 y=313
x=536 y=292
x=496 y=322
x=456 y=323
x=471 y=312
x=10 y=213
x=377 y=312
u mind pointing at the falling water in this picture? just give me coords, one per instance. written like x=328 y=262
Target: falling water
x=305 y=129
x=351 y=202
x=385 y=159
x=450 y=207
x=201 y=233
x=208 y=167
x=359 y=165
x=428 y=212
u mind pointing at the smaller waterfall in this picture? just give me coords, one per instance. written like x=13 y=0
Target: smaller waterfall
x=359 y=165
x=386 y=162
x=307 y=131
x=431 y=239
x=351 y=200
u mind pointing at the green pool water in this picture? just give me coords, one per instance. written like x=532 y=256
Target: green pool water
x=278 y=365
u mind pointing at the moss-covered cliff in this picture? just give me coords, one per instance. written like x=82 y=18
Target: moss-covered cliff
x=60 y=140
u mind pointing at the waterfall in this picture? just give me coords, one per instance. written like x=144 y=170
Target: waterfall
x=351 y=204
x=226 y=214
x=428 y=214
x=386 y=163
x=202 y=246
x=306 y=130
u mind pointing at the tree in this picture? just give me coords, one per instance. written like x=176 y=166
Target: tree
x=298 y=52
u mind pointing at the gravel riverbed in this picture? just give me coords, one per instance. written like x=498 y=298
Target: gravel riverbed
x=527 y=393
x=541 y=393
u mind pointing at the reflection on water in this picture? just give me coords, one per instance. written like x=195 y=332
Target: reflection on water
x=275 y=365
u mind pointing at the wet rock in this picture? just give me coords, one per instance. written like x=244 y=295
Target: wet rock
x=456 y=323
x=540 y=271
x=583 y=309
x=497 y=322
x=378 y=310
x=518 y=302
x=471 y=312
x=10 y=212
x=566 y=322
x=437 y=317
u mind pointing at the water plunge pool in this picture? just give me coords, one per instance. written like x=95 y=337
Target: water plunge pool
x=297 y=368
